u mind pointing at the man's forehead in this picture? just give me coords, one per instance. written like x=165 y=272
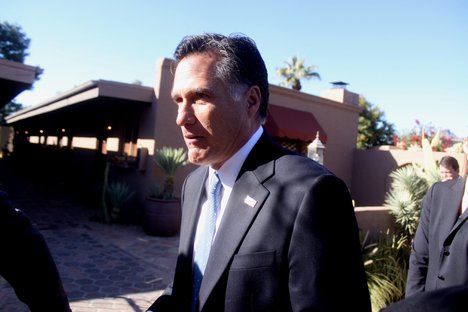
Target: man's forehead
x=195 y=66
x=195 y=76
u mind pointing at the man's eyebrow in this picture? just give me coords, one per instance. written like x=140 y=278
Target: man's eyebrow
x=201 y=91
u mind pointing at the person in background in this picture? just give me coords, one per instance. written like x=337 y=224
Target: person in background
x=439 y=256
x=26 y=263
x=263 y=229
x=449 y=168
x=433 y=286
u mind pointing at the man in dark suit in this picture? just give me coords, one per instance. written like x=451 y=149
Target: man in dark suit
x=439 y=257
x=285 y=234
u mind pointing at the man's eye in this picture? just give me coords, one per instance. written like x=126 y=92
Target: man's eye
x=202 y=96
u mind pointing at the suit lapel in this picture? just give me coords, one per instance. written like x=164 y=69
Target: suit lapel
x=247 y=197
x=192 y=202
x=453 y=207
x=247 y=191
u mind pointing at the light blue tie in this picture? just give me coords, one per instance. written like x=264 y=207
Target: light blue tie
x=205 y=235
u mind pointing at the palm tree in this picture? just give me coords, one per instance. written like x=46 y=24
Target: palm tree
x=294 y=71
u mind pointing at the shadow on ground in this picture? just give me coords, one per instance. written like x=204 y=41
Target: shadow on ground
x=110 y=263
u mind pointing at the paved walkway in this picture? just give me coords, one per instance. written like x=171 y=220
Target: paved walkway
x=103 y=267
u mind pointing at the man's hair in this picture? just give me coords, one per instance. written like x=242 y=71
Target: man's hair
x=449 y=162
x=240 y=62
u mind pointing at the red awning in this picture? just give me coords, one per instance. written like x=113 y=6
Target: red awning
x=288 y=123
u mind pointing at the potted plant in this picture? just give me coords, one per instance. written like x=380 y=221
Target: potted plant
x=161 y=211
x=119 y=194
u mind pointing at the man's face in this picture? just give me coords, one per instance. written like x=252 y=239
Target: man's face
x=214 y=124
x=447 y=173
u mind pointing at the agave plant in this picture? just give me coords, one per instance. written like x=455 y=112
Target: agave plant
x=169 y=160
x=430 y=170
x=405 y=197
x=119 y=193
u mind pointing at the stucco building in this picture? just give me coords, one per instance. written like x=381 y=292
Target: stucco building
x=70 y=138
x=101 y=121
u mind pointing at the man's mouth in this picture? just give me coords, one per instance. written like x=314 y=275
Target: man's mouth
x=192 y=138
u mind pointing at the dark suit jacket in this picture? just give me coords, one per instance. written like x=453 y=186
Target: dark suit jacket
x=450 y=299
x=26 y=262
x=296 y=249
x=439 y=256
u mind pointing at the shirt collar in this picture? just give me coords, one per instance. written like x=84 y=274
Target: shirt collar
x=230 y=169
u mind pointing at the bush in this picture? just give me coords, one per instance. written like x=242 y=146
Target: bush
x=405 y=197
x=386 y=263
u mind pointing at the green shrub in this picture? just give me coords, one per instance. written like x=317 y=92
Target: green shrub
x=385 y=262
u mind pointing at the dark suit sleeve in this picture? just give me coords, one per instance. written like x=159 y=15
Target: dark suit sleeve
x=325 y=256
x=164 y=302
x=26 y=262
x=448 y=299
x=419 y=258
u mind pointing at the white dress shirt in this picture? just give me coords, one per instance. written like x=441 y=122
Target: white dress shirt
x=228 y=174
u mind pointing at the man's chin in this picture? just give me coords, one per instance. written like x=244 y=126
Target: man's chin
x=196 y=157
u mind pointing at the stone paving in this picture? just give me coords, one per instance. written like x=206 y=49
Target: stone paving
x=103 y=267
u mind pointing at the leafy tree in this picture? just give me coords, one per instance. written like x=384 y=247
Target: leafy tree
x=294 y=71
x=8 y=109
x=13 y=43
x=373 y=129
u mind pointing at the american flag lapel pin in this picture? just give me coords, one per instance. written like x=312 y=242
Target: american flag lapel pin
x=250 y=201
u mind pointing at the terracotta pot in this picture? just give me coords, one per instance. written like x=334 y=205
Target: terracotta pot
x=161 y=217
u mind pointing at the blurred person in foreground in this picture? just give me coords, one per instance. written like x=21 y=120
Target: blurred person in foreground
x=284 y=235
x=26 y=263
x=449 y=299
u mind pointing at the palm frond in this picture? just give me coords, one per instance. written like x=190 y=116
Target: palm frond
x=295 y=71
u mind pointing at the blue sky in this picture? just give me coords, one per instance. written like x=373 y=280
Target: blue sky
x=410 y=58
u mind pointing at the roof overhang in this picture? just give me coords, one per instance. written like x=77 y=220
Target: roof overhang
x=14 y=78
x=85 y=111
x=89 y=98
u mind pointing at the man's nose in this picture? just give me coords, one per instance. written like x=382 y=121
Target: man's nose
x=184 y=116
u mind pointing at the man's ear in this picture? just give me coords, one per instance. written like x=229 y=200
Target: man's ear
x=254 y=98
